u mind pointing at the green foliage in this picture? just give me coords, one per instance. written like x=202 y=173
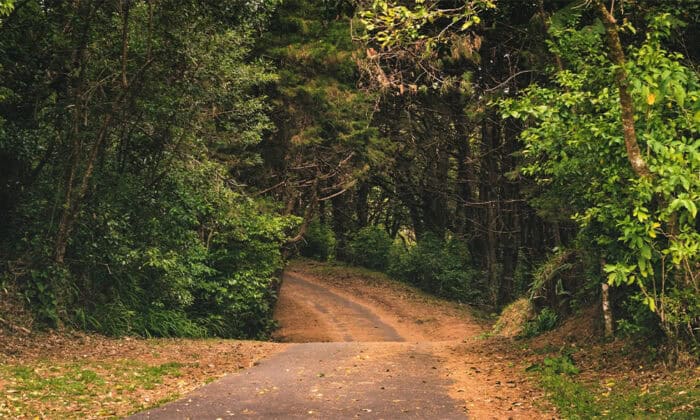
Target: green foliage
x=439 y=267
x=545 y=321
x=6 y=7
x=579 y=400
x=125 y=216
x=41 y=291
x=562 y=365
x=203 y=265
x=645 y=227
x=547 y=275
x=638 y=322
x=391 y=24
x=566 y=280
x=322 y=118
x=370 y=248
x=319 y=242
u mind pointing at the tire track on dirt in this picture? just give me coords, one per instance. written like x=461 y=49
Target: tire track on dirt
x=347 y=320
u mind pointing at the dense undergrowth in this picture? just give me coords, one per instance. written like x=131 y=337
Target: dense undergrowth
x=120 y=209
x=431 y=264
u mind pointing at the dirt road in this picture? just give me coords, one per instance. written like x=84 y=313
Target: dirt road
x=310 y=312
x=365 y=350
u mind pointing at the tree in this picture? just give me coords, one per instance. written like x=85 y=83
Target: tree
x=323 y=140
x=121 y=216
x=643 y=225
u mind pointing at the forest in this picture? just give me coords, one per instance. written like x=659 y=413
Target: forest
x=161 y=160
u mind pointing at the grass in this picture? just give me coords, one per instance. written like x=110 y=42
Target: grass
x=71 y=375
x=78 y=389
x=577 y=398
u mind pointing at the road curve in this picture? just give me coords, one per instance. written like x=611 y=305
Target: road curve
x=349 y=363
x=309 y=312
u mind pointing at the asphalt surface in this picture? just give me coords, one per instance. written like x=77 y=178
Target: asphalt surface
x=369 y=372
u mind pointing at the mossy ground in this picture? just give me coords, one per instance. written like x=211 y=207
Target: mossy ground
x=75 y=375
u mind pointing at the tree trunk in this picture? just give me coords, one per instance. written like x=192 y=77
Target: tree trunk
x=73 y=201
x=361 y=204
x=309 y=214
x=617 y=56
x=342 y=221
x=491 y=141
x=607 y=312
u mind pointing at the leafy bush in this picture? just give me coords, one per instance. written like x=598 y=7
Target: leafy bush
x=130 y=223
x=370 y=248
x=545 y=321
x=188 y=257
x=561 y=365
x=319 y=242
x=643 y=225
x=636 y=321
x=437 y=266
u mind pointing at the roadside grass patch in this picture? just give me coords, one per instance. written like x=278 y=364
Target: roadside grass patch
x=79 y=389
x=72 y=375
x=150 y=376
x=577 y=397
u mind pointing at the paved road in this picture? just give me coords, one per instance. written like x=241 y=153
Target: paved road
x=369 y=372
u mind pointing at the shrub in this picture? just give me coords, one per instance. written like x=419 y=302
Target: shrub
x=370 y=248
x=437 y=266
x=185 y=257
x=643 y=224
x=545 y=321
x=319 y=242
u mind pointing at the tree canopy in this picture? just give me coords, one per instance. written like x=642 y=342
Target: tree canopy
x=159 y=160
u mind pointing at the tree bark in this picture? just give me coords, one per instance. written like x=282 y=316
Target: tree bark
x=73 y=201
x=607 y=312
x=125 y=7
x=361 y=204
x=309 y=213
x=617 y=56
